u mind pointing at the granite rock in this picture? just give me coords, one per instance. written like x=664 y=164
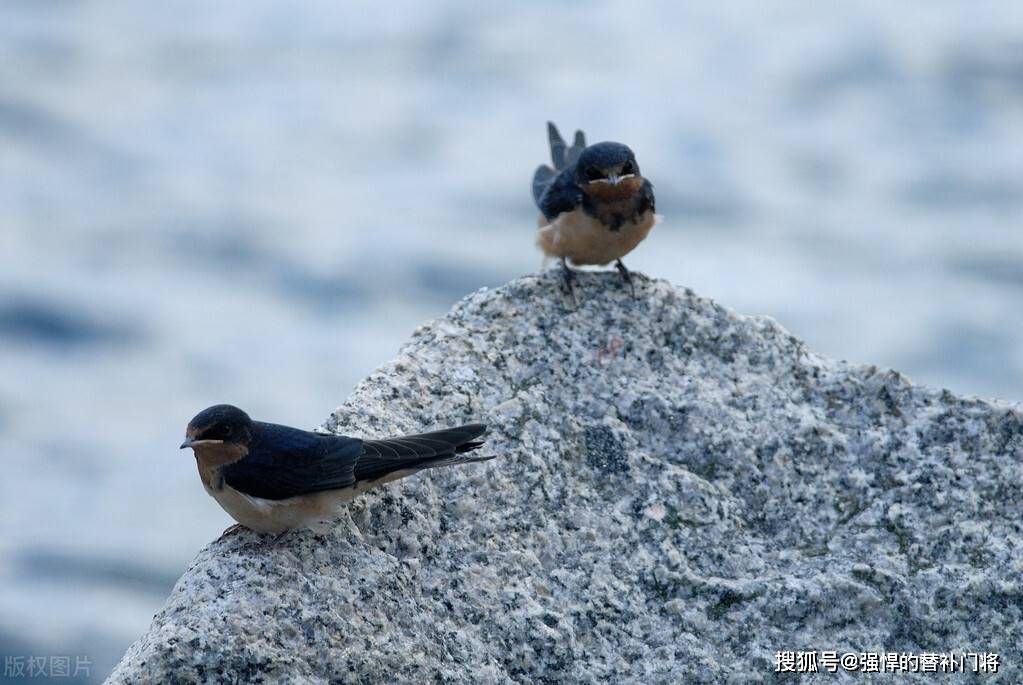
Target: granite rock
x=680 y=494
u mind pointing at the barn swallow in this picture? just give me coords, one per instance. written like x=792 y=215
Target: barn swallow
x=274 y=478
x=595 y=206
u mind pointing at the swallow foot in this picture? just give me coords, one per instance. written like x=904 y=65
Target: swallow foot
x=626 y=276
x=567 y=277
x=232 y=530
x=276 y=539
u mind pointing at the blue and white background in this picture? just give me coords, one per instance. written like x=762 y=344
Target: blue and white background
x=257 y=202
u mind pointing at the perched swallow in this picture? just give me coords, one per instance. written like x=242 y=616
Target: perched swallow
x=595 y=206
x=273 y=478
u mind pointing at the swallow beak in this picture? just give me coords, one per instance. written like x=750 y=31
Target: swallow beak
x=192 y=442
x=612 y=179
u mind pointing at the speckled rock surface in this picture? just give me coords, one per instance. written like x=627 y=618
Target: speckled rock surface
x=680 y=493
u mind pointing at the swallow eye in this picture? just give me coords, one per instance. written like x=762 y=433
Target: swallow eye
x=226 y=431
x=593 y=174
x=628 y=168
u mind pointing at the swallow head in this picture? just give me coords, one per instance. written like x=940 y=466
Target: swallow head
x=219 y=425
x=606 y=164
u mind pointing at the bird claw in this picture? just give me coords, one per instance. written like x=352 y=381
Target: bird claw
x=232 y=530
x=276 y=539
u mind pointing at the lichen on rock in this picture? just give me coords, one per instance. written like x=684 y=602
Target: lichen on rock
x=680 y=493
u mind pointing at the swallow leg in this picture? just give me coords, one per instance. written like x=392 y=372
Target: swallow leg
x=567 y=277
x=626 y=276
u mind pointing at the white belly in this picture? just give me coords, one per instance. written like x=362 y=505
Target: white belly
x=584 y=240
x=276 y=516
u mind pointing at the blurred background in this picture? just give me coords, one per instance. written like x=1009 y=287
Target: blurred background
x=258 y=202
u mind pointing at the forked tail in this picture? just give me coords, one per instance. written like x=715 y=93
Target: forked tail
x=562 y=156
x=423 y=451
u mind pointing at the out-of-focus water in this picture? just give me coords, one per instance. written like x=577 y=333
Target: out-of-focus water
x=258 y=202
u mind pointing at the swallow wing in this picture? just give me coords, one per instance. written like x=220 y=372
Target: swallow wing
x=380 y=458
x=286 y=462
x=562 y=157
x=542 y=179
x=562 y=195
x=647 y=197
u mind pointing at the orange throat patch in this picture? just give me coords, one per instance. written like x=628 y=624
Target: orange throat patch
x=605 y=192
x=211 y=460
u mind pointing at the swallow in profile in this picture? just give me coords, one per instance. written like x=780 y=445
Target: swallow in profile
x=595 y=206
x=274 y=478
